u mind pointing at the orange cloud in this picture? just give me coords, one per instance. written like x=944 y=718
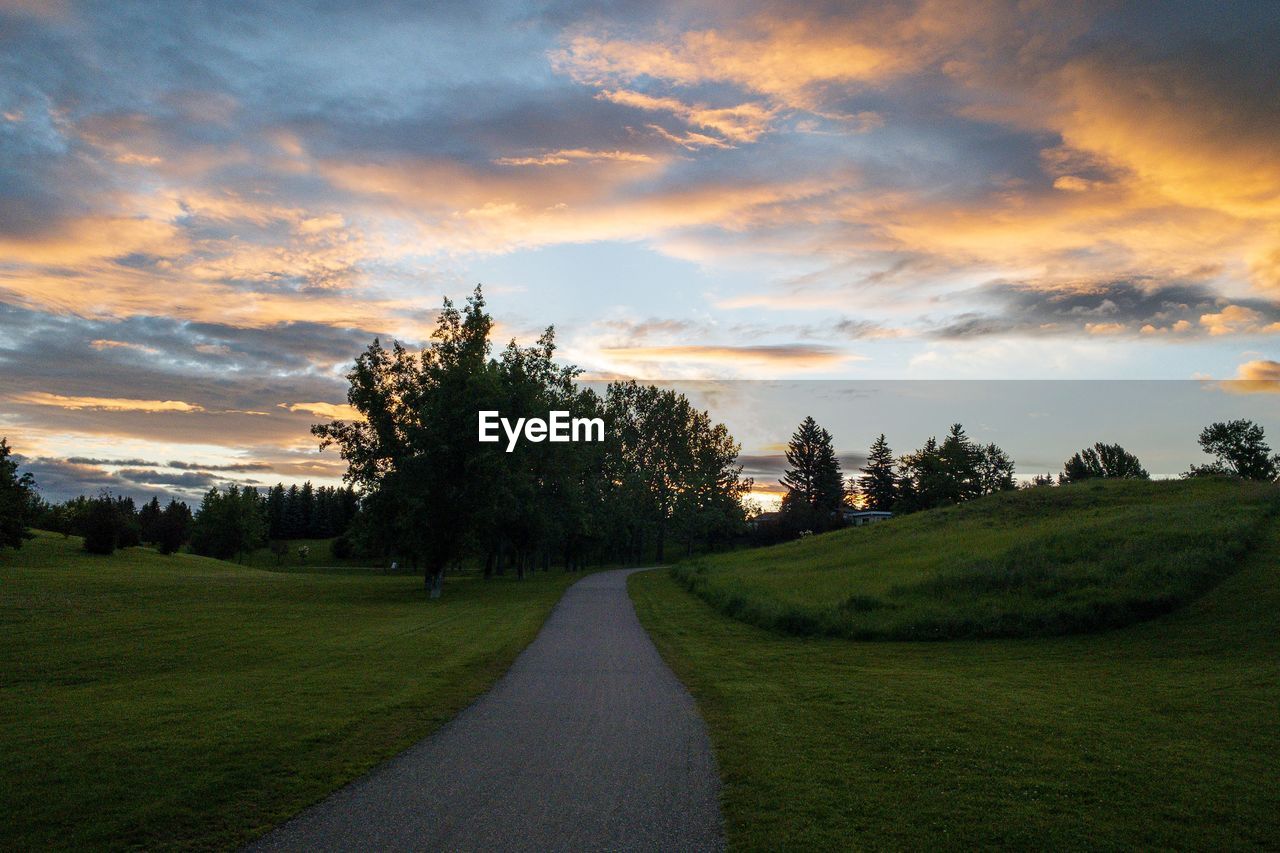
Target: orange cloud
x=105 y=404
x=742 y=123
x=564 y=156
x=332 y=411
x=1237 y=320
x=1254 y=377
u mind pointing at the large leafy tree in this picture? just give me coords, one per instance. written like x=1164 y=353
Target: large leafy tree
x=671 y=467
x=1239 y=449
x=814 y=484
x=17 y=500
x=415 y=446
x=1102 y=461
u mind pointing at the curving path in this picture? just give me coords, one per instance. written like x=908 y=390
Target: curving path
x=587 y=743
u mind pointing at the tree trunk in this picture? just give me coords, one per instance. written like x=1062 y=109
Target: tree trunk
x=435 y=581
x=488 y=563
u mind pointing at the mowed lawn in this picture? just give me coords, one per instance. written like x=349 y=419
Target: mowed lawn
x=180 y=702
x=1165 y=734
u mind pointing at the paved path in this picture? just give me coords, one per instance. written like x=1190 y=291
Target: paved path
x=587 y=743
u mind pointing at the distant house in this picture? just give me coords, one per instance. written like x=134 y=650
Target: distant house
x=859 y=517
x=764 y=518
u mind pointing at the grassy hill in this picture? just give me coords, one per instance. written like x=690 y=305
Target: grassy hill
x=1032 y=562
x=153 y=701
x=1160 y=735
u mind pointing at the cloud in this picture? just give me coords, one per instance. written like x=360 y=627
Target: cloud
x=106 y=404
x=787 y=356
x=331 y=411
x=564 y=156
x=745 y=122
x=1239 y=320
x=1261 y=376
x=1129 y=307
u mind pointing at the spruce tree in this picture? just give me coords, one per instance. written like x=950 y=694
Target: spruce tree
x=879 y=481
x=815 y=486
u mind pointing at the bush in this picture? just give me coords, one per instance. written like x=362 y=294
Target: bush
x=343 y=548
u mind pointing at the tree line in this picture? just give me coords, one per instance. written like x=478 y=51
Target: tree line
x=958 y=469
x=229 y=522
x=664 y=474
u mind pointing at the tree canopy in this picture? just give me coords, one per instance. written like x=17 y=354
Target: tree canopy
x=434 y=494
x=1107 y=461
x=1239 y=449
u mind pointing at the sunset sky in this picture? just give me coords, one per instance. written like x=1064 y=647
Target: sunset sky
x=206 y=210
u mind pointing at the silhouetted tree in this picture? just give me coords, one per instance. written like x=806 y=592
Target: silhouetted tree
x=952 y=471
x=17 y=500
x=149 y=521
x=1106 y=461
x=174 y=527
x=100 y=525
x=878 y=484
x=1240 y=450
x=814 y=484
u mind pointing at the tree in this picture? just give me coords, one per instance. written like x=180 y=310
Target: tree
x=415 y=443
x=229 y=524
x=17 y=500
x=1106 y=461
x=814 y=484
x=149 y=521
x=671 y=468
x=430 y=493
x=175 y=527
x=953 y=471
x=100 y=525
x=995 y=471
x=878 y=484
x=1240 y=450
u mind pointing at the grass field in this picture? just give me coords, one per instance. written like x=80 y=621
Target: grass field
x=1031 y=562
x=320 y=559
x=150 y=701
x=1165 y=734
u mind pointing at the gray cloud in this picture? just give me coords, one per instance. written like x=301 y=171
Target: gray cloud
x=1123 y=306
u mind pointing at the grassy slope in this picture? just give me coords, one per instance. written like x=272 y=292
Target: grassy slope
x=182 y=702
x=1163 y=734
x=1038 y=561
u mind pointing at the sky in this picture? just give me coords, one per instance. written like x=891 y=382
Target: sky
x=208 y=209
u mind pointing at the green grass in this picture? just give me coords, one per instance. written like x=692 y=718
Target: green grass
x=1164 y=734
x=180 y=702
x=1033 y=562
x=321 y=559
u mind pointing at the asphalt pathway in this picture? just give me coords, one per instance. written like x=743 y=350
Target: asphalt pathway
x=589 y=742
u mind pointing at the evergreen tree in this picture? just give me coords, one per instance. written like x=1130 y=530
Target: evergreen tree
x=294 y=525
x=307 y=511
x=815 y=486
x=276 y=512
x=878 y=484
x=149 y=521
